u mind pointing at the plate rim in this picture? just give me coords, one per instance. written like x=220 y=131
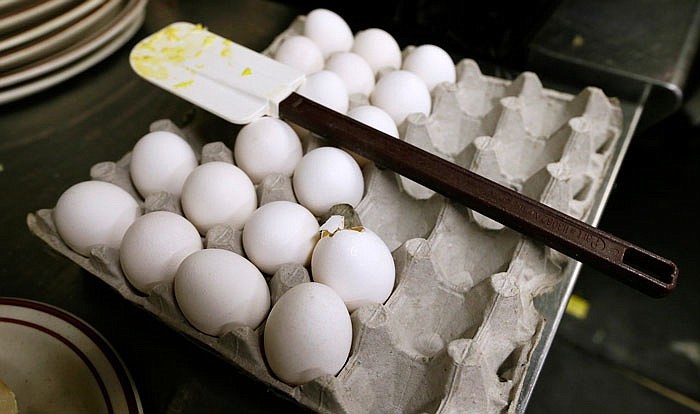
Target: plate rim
x=54 y=24
x=133 y=400
x=130 y=12
x=55 y=44
x=25 y=16
x=40 y=83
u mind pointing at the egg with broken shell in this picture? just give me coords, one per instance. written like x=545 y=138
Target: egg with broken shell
x=356 y=264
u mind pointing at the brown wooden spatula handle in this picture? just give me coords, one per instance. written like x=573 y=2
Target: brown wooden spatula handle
x=639 y=268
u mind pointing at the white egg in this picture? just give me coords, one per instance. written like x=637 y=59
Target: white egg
x=354 y=71
x=378 y=48
x=325 y=177
x=161 y=161
x=356 y=264
x=308 y=334
x=280 y=232
x=154 y=246
x=432 y=64
x=217 y=290
x=375 y=117
x=329 y=31
x=326 y=88
x=267 y=146
x=94 y=213
x=301 y=53
x=401 y=93
x=218 y=193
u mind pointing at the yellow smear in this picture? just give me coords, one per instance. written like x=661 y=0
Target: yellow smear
x=246 y=72
x=577 y=307
x=150 y=67
x=208 y=40
x=173 y=54
x=183 y=84
x=226 y=51
x=148 y=46
x=156 y=37
x=172 y=45
x=171 y=33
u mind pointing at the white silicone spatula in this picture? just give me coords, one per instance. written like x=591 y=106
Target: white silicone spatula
x=241 y=85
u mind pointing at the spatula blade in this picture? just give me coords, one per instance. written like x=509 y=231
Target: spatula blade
x=214 y=73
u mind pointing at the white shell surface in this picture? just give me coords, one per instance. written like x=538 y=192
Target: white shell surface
x=327 y=176
x=267 y=146
x=401 y=93
x=326 y=88
x=378 y=48
x=280 y=232
x=432 y=64
x=94 y=213
x=301 y=53
x=307 y=334
x=354 y=70
x=154 y=246
x=329 y=31
x=356 y=264
x=217 y=289
x=161 y=161
x=218 y=192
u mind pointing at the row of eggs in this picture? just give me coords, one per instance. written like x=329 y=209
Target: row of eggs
x=307 y=332
x=339 y=64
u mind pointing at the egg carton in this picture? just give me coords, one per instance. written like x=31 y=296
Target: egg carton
x=458 y=331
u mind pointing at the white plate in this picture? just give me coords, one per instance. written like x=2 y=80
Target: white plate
x=23 y=17
x=43 y=82
x=52 y=25
x=61 y=39
x=131 y=12
x=55 y=362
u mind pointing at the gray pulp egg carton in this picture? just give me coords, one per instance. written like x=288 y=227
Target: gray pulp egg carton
x=459 y=331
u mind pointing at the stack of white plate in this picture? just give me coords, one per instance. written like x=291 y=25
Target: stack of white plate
x=45 y=42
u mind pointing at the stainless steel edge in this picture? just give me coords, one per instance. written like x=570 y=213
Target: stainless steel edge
x=552 y=305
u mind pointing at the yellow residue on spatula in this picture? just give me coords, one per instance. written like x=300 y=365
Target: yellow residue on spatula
x=172 y=45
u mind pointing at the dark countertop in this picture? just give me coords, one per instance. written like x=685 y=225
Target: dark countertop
x=50 y=140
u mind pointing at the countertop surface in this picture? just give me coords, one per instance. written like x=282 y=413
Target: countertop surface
x=628 y=353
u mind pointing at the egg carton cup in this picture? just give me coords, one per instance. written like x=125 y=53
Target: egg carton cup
x=458 y=331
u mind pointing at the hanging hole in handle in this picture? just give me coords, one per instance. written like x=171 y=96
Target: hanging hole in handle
x=652 y=266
